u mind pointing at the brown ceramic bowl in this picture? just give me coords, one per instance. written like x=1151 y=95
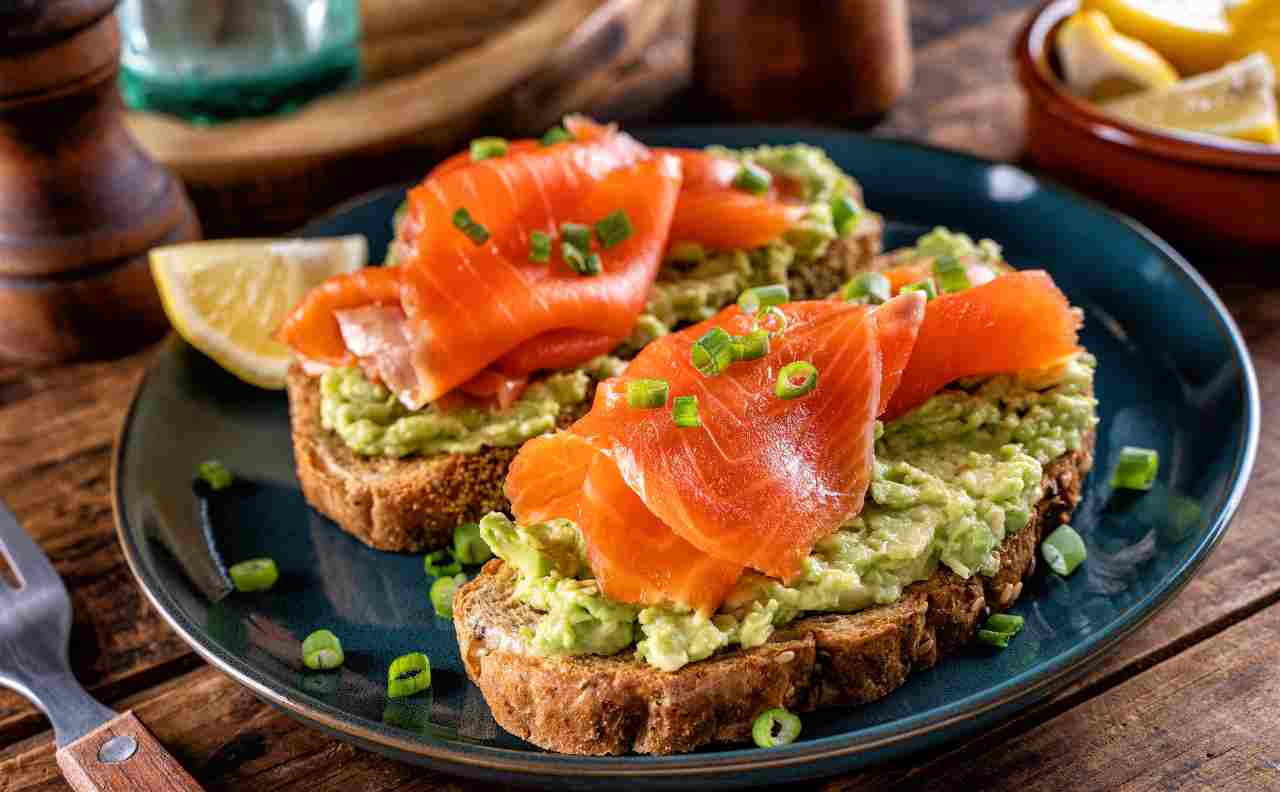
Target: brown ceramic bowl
x=1196 y=189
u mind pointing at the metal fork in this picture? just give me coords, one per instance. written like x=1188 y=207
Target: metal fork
x=98 y=749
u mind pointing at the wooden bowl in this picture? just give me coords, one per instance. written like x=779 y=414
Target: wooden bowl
x=1199 y=190
x=437 y=72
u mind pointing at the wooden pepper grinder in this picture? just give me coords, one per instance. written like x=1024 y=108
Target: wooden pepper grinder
x=80 y=203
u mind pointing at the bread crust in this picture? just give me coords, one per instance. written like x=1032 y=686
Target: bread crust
x=615 y=705
x=413 y=504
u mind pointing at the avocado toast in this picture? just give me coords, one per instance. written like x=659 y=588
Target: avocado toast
x=964 y=485
x=402 y=477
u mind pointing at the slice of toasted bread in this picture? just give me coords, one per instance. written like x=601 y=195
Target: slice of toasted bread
x=618 y=704
x=413 y=504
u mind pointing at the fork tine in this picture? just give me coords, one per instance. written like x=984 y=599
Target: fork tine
x=31 y=565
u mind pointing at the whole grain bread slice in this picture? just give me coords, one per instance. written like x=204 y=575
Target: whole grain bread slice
x=413 y=504
x=614 y=705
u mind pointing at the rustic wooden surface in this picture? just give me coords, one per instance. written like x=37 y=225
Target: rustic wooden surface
x=1189 y=702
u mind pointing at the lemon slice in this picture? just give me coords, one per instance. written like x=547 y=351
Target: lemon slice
x=1257 y=28
x=1102 y=64
x=1194 y=35
x=1235 y=101
x=228 y=297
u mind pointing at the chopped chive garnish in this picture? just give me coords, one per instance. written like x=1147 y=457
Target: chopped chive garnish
x=869 y=288
x=1136 y=469
x=1063 y=550
x=684 y=411
x=752 y=346
x=469 y=547
x=442 y=591
x=647 y=394
x=463 y=222
x=614 y=229
x=556 y=134
x=796 y=379
x=408 y=675
x=845 y=214
x=752 y=300
x=580 y=262
x=775 y=727
x=577 y=235
x=753 y=179
x=441 y=563
x=687 y=253
x=257 y=574
x=488 y=147
x=540 y=247
x=950 y=273
x=1007 y=623
x=216 y=475
x=926 y=286
x=773 y=320
x=322 y=651
x=993 y=638
x=712 y=353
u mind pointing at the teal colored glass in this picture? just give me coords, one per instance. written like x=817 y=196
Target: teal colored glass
x=217 y=60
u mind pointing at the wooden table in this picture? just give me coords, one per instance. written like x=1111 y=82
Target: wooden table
x=1192 y=701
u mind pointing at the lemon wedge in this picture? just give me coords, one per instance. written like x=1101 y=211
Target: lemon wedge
x=228 y=297
x=1194 y=35
x=1102 y=64
x=1257 y=28
x=1235 y=101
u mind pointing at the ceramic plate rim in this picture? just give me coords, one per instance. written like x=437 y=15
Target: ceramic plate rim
x=1010 y=692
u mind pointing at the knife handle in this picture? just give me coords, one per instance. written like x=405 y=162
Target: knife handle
x=122 y=756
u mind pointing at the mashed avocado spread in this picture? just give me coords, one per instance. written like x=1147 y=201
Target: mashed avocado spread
x=951 y=480
x=693 y=285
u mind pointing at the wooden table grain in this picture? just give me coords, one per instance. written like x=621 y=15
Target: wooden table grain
x=1192 y=701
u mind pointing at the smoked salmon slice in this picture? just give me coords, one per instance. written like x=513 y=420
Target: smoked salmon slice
x=897 y=328
x=1016 y=322
x=468 y=300
x=714 y=213
x=916 y=271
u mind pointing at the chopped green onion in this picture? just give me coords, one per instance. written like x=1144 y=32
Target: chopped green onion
x=845 y=214
x=684 y=411
x=796 y=379
x=752 y=346
x=442 y=591
x=1007 y=623
x=463 y=222
x=591 y=265
x=647 y=394
x=408 y=675
x=556 y=134
x=753 y=179
x=577 y=235
x=257 y=574
x=869 y=288
x=216 y=475
x=687 y=253
x=488 y=147
x=1136 y=469
x=583 y=264
x=994 y=638
x=1063 y=550
x=775 y=727
x=752 y=300
x=773 y=320
x=951 y=274
x=926 y=286
x=540 y=247
x=614 y=229
x=469 y=547
x=441 y=563
x=712 y=353
x=322 y=651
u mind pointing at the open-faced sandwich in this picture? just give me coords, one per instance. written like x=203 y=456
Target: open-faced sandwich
x=523 y=273
x=792 y=505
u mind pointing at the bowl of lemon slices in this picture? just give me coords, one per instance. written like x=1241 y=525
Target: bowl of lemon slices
x=1164 y=108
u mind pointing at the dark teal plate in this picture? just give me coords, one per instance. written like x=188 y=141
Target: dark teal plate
x=1173 y=375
